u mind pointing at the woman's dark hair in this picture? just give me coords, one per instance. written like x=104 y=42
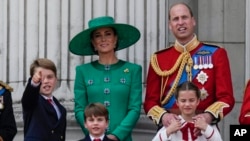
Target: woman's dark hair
x=188 y=86
x=93 y=48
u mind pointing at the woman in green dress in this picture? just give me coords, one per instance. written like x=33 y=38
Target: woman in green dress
x=115 y=83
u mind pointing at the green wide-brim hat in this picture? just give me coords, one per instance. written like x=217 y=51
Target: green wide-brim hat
x=81 y=43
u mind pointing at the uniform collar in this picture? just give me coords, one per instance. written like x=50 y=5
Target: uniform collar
x=189 y=46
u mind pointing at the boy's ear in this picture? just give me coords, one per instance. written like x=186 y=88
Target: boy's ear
x=107 y=121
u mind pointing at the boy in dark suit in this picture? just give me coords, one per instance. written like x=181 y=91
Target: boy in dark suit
x=8 y=127
x=96 y=121
x=44 y=117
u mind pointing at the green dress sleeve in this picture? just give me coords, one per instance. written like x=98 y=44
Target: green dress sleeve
x=134 y=105
x=80 y=98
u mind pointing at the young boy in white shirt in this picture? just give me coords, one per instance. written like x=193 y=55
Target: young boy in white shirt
x=96 y=120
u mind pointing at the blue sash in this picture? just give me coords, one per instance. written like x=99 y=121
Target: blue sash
x=2 y=91
x=204 y=50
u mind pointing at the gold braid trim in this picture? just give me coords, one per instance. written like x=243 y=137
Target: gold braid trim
x=216 y=109
x=158 y=70
x=155 y=114
x=184 y=59
x=247 y=115
x=6 y=86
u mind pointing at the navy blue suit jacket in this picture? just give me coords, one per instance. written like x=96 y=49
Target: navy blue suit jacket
x=40 y=118
x=87 y=138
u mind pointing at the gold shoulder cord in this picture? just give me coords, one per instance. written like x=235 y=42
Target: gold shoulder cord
x=6 y=86
x=184 y=59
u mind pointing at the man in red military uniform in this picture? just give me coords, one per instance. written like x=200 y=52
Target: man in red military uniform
x=245 y=108
x=205 y=65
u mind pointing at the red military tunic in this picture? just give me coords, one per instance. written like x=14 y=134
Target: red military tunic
x=215 y=83
x=245 y=108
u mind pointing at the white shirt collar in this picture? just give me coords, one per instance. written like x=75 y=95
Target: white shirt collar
x=92 y=138
x=45 y=97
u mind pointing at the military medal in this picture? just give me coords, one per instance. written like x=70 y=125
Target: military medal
x=202 y=77
x=206 y=62
x=204 y=93
x=200 y=63
x=210 y=65
x=195 y=63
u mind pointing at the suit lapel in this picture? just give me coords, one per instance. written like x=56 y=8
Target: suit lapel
x=49 y=108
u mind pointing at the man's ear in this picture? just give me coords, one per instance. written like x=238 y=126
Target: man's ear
x=194 y=22
x=169 y=26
